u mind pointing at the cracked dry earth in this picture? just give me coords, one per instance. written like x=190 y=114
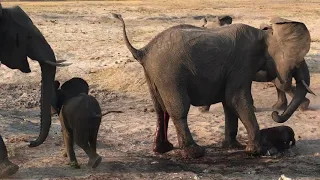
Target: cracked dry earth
x=85 y=34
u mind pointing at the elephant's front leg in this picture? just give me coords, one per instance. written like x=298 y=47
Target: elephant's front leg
x=240 y=101
x=282 y=102
x=7 y=168
x=231 y=128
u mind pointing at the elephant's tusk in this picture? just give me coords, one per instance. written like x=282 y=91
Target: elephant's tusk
x=307 y=87
x=57 y=63
x=61 y=61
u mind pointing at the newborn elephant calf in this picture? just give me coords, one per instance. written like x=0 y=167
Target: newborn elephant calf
x=80 y=118
x=277 y=138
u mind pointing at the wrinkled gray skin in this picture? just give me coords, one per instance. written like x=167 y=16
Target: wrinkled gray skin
x=268 y=74
x=187 y=65
x=277 y=138
x=80 y=118
x=19 y=39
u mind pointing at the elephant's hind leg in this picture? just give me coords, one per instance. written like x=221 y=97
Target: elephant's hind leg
x=177 y=104
x=7 y=168
x=82 y=140
x=161 y=142
x=231 y=128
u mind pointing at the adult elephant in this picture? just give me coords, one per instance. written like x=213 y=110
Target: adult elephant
x=268 y=74
x=188 y=65
x=19 y=39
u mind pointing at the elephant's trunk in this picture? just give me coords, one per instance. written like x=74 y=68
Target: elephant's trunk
x=47 y=74
x=302 y=77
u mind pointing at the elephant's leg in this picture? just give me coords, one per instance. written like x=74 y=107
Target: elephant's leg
x=93 y=140
x=68 y=143
x=178 y=104
x=251 y=99
x=231 y=128
x=161 y=142
x=244 y=108
x=82 y=140
x=7 y=168
x=204 y=108
x=282 y=102
x=64 y=152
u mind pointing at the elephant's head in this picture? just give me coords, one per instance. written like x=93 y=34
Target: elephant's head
x=68 y=90
x=216 y=22
x=288 y=42
x=19 y=39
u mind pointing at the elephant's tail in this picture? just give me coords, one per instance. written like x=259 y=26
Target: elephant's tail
x=105 y=113
x=137 y=54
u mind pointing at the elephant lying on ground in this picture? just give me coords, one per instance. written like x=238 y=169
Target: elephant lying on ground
x=277 y=138
x=188 y=65
x=80 y=118
x=19 y=39
x=268 y=73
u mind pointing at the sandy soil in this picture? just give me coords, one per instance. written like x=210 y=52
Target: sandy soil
x=85 y=34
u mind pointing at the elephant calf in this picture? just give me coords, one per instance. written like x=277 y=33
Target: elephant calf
x=80 y=118
x=278 y=138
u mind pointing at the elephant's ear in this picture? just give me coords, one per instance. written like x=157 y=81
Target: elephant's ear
x=225 y=20
x=293 y=38
x=21 y=18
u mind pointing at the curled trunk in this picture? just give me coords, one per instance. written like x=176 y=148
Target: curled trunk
x=302 y=77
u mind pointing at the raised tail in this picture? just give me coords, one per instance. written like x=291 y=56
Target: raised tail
x=137 y=54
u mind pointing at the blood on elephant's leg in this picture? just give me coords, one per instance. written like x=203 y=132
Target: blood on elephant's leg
x=161 y=142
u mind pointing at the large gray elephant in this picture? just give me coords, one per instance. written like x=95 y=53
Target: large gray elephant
x=188 y=65
x=268 y=73
x=19 y=39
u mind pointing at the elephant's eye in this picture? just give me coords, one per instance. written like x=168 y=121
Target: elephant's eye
x=29 y=36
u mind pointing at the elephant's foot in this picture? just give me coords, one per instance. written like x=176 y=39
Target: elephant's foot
x=74 y=164
x=192 y=152
x=162 y=147
x=95 y=161
x=304 y=105
x=7 y=168
x=280 y=105
x=232 y=144
x=254 y=149
x=204 y=108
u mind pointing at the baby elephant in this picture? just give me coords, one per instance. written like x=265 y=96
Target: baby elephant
x=80 y=118
x=278 y=138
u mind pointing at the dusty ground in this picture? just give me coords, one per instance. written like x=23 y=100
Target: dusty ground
x=86 y=35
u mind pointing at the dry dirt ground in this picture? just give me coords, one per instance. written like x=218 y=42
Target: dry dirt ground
x=85 y=34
